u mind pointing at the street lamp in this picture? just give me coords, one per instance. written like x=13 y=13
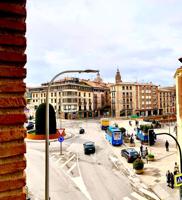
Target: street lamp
x=180 y=154
x=47 y=126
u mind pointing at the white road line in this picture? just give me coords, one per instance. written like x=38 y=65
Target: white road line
x=137 y=196
x=126 y=198
x=58 y=160
x=71 y=168
x=68 y=160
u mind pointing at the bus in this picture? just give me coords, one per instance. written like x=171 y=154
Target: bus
x=114 y=136
x=104 y=123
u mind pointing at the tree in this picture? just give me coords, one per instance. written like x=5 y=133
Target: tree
x=40 y=120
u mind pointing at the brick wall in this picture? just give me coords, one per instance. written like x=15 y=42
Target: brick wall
x=12 y=102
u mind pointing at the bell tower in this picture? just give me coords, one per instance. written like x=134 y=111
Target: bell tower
x=118 y=77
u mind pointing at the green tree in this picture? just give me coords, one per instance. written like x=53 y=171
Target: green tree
x=41 y=119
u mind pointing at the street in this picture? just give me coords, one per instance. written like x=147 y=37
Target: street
x=99 y=179
x=76 y=175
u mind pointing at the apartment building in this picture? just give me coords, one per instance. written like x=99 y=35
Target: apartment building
x=167 y=100
x=132 y=98
x=73 y=98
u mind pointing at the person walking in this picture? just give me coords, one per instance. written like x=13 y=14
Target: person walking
x=172 y=180
x=141 y=150
x=146 y=152
x=176 y=168
x=168 y=176
x=167 y=145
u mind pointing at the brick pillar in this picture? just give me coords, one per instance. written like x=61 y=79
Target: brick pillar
x=12 y=102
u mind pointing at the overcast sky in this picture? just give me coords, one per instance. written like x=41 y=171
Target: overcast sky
x=142 y=38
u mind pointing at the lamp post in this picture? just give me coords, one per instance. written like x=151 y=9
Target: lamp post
x=180 y=154
x=47 y=126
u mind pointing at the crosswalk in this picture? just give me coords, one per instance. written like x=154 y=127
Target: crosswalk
x=134 y=196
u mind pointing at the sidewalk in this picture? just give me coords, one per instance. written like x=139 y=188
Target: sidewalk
x=154 y=176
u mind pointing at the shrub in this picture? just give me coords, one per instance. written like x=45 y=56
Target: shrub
x=145 y=128
x=40 y=119
x=150 y=155
x=138 y=164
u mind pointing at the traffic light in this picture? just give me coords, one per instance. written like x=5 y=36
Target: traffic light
x=152 y=137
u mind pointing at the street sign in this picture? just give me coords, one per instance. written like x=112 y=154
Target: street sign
x=61 y=131
x=61 y=139
x=178 y=180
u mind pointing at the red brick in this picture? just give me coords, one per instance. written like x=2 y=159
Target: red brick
x=12 y=167
x=12 y=86
x=8 y=134
x=12 y=119
x=13 y=8
x=12 y=40
x=6 y=56
x=12 y=184
x=7 y=24
x=12 y=102
x=16 y=72
x=12 y=149
x=14 y=197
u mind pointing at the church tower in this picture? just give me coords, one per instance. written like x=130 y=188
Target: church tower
x=118 y=77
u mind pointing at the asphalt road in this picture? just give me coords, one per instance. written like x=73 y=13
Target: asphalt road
x=92 y=177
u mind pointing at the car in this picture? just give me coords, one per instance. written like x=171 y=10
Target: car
x=30 y=126
x=89 y=147
x=82 y=131
x=130 y=154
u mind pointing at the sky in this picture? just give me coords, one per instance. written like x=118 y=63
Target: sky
x=141 y=38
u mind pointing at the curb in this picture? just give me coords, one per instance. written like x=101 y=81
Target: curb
x=136 y=183
x=51 y=140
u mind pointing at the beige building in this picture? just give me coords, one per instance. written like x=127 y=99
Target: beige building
x=128 y=98
x=73 y=98
x=178 y=76
x=167 y=100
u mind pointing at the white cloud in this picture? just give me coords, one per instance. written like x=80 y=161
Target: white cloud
x=133 y=35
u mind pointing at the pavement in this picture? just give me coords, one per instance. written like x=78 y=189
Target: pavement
x=152 y=183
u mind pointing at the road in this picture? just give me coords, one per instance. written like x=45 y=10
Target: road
x=93 y=177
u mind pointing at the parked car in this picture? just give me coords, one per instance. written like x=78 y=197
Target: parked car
x=82 y=131
x=89 y=147
x=30 y=126
x=130 y=154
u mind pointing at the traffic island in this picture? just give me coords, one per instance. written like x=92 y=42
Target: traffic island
x=34 y=136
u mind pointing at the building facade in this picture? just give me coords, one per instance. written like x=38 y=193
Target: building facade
x=167 y=100
x=142 y=99
x=178 y=76
x=72 y=98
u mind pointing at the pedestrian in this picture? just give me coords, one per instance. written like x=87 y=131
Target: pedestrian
x=172 y=180
x=141 y=150
x=146 y=152
x=168 y=177
x=131 y=140
x=167 y=145
x=176 y=168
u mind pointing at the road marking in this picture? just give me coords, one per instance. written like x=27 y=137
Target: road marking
x=58 y=160
x=68 y=160
x=71 y=168
x=126 y=198
x=137 y=196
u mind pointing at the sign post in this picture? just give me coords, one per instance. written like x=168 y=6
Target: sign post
x=61 y=139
